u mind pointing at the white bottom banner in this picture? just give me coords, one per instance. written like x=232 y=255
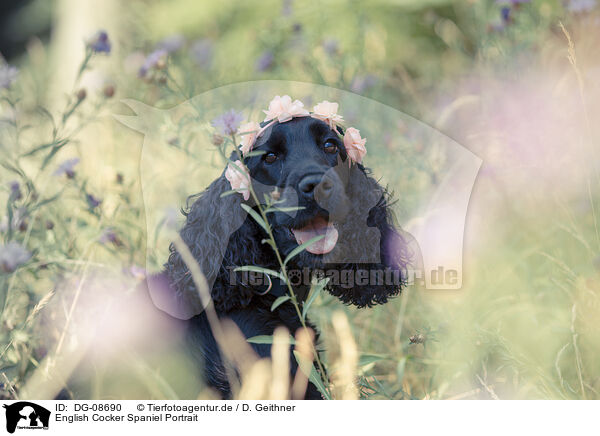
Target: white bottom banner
x=298 y=417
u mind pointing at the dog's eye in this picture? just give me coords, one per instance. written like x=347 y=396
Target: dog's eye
x=330 y=146
x=270 y=157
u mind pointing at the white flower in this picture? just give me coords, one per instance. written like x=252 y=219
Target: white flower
x=284 y=109
x=327 y=111
x=238 y=176
x=355 y=145
x=248 y=132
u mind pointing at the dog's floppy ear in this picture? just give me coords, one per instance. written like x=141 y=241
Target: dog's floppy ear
x=378 y=248
x=211 y=219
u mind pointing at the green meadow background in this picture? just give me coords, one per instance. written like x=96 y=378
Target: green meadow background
x=514 y=82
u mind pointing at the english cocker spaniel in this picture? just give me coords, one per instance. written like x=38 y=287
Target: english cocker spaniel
x=308 y=168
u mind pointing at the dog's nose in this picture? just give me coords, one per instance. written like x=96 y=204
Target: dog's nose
x=307 y=184
x=324 y=189
x=315 y=185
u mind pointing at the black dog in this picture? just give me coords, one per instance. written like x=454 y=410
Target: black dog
x=307 y=162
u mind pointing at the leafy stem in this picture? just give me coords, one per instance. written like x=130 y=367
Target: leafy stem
x=282 y=264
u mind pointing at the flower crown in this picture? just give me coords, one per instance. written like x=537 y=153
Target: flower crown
x=283 y=109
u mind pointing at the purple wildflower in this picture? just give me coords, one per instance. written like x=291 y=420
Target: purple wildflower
x=228 y=123
x=110 y=236
x=67 y=168
x=15 y=190
x=580 y=6
x=505 y=14
x=265 y=61
x=362 y=83
x=171 y=43
x=13 y=255
x=154 y=60
x=137 y=272
x=92 y=201
x=8 y=75
x=202 y=53
x=100 y=43
x=287 y=8
x=331 y=46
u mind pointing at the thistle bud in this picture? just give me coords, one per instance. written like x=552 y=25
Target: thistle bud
x=109 y=91
x=217 y=139
x=81 y=94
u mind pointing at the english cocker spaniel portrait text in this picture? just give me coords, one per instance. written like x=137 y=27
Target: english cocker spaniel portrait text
x=326 y=213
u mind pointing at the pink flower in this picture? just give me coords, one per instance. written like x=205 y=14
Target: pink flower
x=355 y=145
x=248 y=132
x=327 y=111
x=283 y=109
x=238 y=176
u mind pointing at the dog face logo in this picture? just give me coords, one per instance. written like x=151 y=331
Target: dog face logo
x=26 y=415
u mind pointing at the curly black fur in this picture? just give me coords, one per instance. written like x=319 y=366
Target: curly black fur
x=222 y=236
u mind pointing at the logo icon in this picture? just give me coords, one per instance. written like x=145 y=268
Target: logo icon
x=26 y=415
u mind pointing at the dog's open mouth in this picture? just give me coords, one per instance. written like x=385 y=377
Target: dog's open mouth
x=318 y=226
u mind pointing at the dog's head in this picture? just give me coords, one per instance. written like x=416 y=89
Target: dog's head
x=304 y=159
x=321 y=196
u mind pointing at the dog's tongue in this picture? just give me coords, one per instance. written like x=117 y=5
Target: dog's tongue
x=317 y=227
